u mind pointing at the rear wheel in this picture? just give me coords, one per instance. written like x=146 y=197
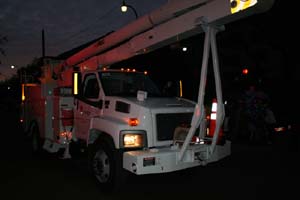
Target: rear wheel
x=36 y=141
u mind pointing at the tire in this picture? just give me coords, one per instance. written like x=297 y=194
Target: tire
x=36 y=141
x=105 y=164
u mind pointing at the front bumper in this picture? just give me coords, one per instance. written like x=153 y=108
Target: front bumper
x=166 y=159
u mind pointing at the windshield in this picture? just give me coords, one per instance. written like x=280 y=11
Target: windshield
x=127 y=84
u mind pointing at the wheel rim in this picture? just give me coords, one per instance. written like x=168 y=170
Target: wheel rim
x=101 y=166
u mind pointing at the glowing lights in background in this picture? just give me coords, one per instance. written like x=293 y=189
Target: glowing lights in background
x=245 y=71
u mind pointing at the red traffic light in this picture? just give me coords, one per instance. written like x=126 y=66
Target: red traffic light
x=245 y=71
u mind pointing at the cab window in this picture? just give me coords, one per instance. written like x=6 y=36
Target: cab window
x=91 y=87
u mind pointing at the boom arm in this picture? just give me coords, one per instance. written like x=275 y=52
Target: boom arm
x=142 y=24
x=174 y=21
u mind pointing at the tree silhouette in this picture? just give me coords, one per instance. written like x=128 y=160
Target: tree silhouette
x=3 y=40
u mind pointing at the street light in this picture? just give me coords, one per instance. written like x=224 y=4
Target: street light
x=20 y=72
x=125 y=6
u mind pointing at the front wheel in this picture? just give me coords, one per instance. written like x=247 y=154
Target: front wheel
x=105 y=163
x=102 y=165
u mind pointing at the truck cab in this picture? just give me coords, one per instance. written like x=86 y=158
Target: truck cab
x=133 y=105
x=118 y=111
x=128 y=124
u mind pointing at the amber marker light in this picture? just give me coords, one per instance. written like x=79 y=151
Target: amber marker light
x=180 y=88
x=75 y=84
x=23 y=92
x=133 y=122
x=238 y=5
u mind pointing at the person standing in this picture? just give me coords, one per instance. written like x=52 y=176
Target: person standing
x=258 y=114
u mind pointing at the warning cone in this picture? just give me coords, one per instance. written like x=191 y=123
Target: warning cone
x=212 y=123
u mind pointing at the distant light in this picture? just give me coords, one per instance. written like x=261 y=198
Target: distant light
x=184 y=48
x=180 y=88
x=12 y=67
x=23 y=92
x=245 y=71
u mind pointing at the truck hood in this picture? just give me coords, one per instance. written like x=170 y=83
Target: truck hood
x=156 y=103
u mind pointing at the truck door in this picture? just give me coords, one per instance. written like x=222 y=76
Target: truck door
x=87 y=105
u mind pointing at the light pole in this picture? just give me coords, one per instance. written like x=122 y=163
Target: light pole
x=20 y=72
x=15 y=69
x=125 y=6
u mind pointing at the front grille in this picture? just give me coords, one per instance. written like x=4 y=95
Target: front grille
x=166 y=124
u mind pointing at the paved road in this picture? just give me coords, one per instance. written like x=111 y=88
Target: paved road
x=251 y=172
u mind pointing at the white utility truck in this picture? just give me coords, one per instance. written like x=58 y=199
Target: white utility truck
x=119 y=117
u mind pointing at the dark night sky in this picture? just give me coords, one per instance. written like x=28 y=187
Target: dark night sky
x=263 y=42
x=67 y=24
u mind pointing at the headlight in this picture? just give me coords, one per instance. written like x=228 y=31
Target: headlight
x=133 y=139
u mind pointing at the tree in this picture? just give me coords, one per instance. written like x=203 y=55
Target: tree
x=3 y=40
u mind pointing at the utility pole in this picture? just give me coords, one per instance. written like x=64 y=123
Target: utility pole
x=43 y=43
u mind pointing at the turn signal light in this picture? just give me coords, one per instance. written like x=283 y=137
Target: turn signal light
x=133 y=122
